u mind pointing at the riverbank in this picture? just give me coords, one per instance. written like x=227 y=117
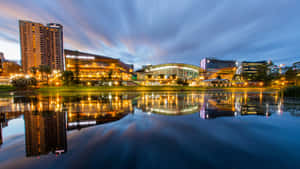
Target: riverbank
x=140 y=88
x=126 y=88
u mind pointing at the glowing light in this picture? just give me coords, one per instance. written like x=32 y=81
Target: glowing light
x=174 y=67
x=261 y=83
x=80 y=57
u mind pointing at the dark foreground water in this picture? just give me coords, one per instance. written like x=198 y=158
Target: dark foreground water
x=213 y=129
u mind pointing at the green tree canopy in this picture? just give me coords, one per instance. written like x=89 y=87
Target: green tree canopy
x=290 y=74
x=68 y=77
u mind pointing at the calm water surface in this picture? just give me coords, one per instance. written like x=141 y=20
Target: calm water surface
x=213 y=129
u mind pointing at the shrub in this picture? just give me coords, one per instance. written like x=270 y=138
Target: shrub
x=24 y=82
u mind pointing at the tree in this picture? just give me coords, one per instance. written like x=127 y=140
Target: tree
x=33 y=70
x=291 y=74
x=274 y=76
x=110 y=73
x=22 y=82
x=262 y=73
x=68 y=77
x=246 y=76
x=181 y=82
x=45 y=69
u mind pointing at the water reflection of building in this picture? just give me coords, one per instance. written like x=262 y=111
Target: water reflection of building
x=85 y=111
x=6 y=113
x=45 y=130
x=218 y=105
x=231 y=104
x=45 y=133
x=3 y=123
x=170 y=103
x=46 y=123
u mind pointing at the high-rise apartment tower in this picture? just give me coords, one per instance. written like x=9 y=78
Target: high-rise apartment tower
x=41 y=45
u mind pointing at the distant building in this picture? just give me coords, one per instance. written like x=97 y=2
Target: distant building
x=11 y=67
x=210 y=63
x=252 y=67
x=296 y=66
x=7 y=69
x=41 y=45
x=1 y=62
x=94 y=68
x=215 y=68
x=167 y=73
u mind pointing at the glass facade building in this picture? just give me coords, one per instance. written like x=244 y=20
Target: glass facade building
x=92 y=68
x=167 y=73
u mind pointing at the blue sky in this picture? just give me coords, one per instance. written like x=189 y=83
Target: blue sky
x=164 y=31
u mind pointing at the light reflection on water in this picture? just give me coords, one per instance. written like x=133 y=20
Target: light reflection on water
x=45 y=119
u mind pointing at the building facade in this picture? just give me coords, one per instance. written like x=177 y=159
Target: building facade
x=94 y=68
x=218 y=69
x=250 y=70
x=209 y=64
x=252 y=67
x=1 y=62
x=164 y=74
x=41 y=45
x=8 y=69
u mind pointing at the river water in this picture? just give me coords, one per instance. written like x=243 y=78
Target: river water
x=208 y=129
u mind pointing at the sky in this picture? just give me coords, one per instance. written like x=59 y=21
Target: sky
x=164 y=31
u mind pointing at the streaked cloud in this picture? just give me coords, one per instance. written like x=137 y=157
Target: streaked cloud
x=152 y=32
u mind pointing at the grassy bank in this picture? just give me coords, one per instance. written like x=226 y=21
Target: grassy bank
x=137 y=88
x=118 y=88
x=293 y=91
x=6 y=88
